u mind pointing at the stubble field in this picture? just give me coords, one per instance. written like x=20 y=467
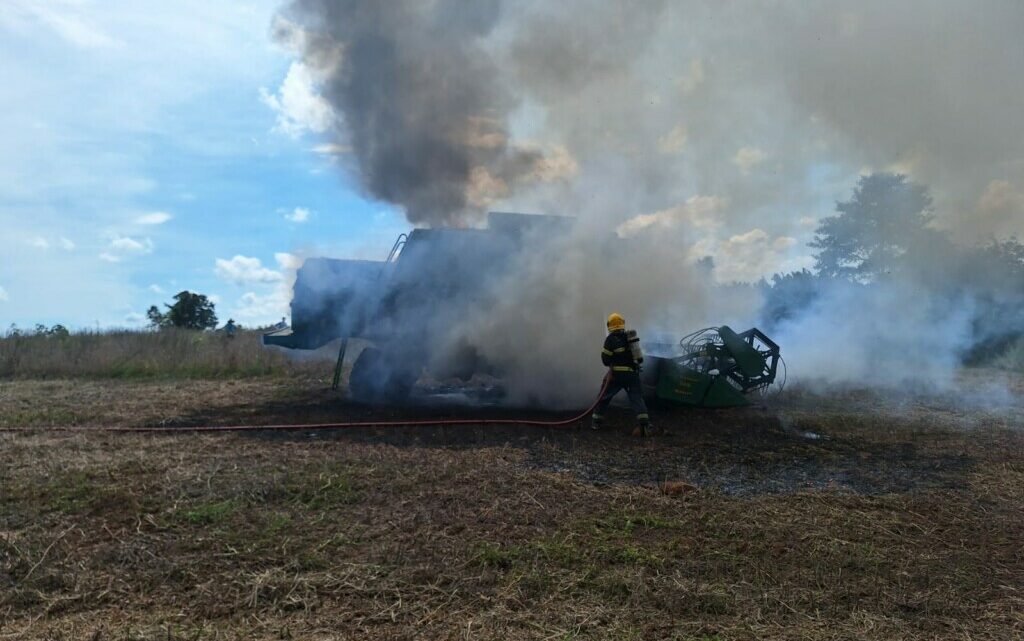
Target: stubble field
x=817 y=516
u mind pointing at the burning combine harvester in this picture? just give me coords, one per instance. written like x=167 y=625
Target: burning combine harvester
x=401 y=311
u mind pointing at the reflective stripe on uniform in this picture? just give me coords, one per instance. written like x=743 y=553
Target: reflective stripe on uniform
x=622 y=368
x=606 y=352
x=643 y=416
x=619 y=350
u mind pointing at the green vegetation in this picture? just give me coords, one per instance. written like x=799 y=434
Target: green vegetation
x=209 y=513
x=189 y=311
x=315 y=489
x=1013 y=358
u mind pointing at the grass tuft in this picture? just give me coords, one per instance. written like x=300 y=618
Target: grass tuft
x=494 y=556
x=209 y=513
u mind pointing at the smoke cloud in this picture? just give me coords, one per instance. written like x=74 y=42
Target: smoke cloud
x=675 y=131
x=451 y=107
x=423 y=106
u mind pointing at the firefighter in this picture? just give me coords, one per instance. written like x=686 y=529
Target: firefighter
x=623 y=374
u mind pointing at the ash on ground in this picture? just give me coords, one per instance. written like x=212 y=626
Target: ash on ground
x=854 y=441
x=758 y=461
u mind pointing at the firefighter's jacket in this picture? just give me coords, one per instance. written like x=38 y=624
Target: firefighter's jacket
x=617 y=355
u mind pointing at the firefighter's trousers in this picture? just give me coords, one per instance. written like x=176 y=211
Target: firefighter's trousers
x=618 y=381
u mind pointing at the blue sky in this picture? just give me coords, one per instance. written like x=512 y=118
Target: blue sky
x=154 y=147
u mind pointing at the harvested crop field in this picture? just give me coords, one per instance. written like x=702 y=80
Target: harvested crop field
x=841 y=516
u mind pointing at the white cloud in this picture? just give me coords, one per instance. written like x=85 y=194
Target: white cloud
x=298 y=215
x=288 y=261
x=153 y=218
x=743 y=257
x=999 y=195
x=555 y=163
x=256 y=306
x=125 y=245
x=693 y=79
x=747 y=158
x=1001 y=207
x=331 y=149
x=122 y=247
x=65 y=19
x=3 y=295
x=783 y=243
x=752 y=255
x=298 y=106
x=263 y=308
x=243 y=270
x=39 y=242
x=673 y=141
x=156 y=289
x=135 y=318
x=700 y=212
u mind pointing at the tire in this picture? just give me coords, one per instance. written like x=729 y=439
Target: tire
x=376 y=377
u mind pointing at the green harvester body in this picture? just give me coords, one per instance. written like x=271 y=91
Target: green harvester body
x=718 y=368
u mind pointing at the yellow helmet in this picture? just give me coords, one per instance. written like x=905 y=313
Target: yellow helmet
x=616 y=322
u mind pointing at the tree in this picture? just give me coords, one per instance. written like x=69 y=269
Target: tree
x=1006 y=257
x=189 y=311
x=873 y=231
x=156 y=319
x=789 y=294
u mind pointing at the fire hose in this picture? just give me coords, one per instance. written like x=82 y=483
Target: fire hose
x=299 y=427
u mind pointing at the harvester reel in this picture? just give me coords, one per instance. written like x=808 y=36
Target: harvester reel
x=749 y=360
x=717 y=367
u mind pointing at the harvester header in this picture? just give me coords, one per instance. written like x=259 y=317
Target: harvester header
x=717 y=367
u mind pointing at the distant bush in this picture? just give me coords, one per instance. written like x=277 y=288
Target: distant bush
x=171 y=353
x=1013 y=357
x=189 y=311
x=788 y=295
x=883 y=238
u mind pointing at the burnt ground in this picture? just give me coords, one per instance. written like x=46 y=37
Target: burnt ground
x=867 y=443
x=850 y=514
x=737 y=452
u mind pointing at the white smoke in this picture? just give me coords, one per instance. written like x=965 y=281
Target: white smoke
x=897 y=334
x=672 y=131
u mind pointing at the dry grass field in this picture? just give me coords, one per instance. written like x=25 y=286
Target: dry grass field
x=846 y=515
x=134 y=354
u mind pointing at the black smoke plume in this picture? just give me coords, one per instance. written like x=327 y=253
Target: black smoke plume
x=423 y=110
